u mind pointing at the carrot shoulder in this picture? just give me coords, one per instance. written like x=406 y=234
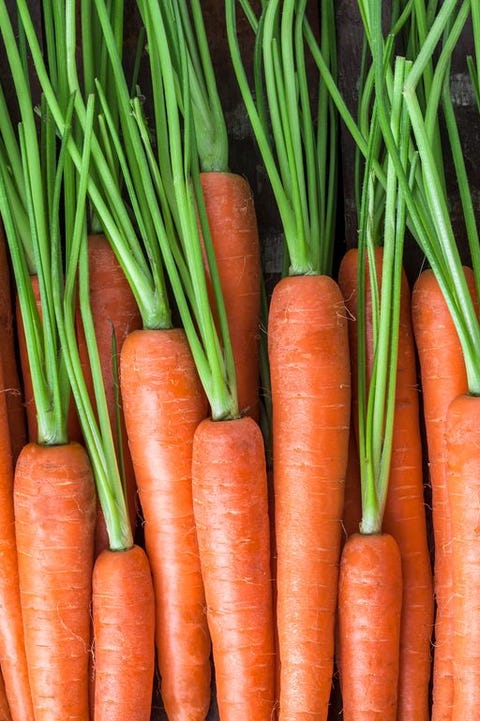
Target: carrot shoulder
x=233 y=227
x=163 y=404
x=310 y=374
x=231 y=516
x=54 y=517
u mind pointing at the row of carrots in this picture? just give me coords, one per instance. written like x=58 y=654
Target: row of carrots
x=182 y=492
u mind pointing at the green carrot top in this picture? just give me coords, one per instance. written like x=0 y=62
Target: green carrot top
x=300 y=156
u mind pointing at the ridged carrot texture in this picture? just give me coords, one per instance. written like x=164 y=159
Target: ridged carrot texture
x=310 y=373
x=231 y=516
x=163 y=404
x=54 y=499
x=124 y=620
x=115 y=314
x=404 y=516
x=233 y=227
x=73 y=424
x=443 y=378
x=12 y=650
x=369 y=609
x=4 y=707
x=463 y=474
x=12 y=387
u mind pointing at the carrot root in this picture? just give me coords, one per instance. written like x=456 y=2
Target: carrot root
x=124 y=633
x=369 y=609
x=231 y=514
x=54 y=515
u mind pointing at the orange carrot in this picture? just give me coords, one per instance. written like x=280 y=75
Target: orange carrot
x=443 y=378
x=4 y=707
x=233 y=227
x=163 y=404
x=231 y=516
x=124 y=620
x=16 y=411
x=369 y=609
x=404 y=516
x=310 y=372
x=12 y=650
x=54 y=517
x=463 y=473
x=115 y=313
x=73 y=424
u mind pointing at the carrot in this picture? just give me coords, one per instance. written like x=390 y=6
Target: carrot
x=308 y=345
x=231 y=516
x=115 y=315
x=54 y=500
x=463 y=466
x=16 y=411
x=233 y=227
x=404 y=515
x=310 y=372
x=369 y=619
x=443 y=378
x=163 y=403
x=4 y=707
x=12 y=651
x=122 y=586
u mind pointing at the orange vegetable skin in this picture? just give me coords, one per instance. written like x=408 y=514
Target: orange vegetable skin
x=163 y=404
x=54 y=515
x=4 y=707
x=463 y=488
x=231 y=515
x=233 y=227
x=124 y=633
x=443 y=378
x=12 y=649
x=310 y=374
x=369 y=610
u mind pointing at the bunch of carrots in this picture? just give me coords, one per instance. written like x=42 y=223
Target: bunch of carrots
x=213 y=490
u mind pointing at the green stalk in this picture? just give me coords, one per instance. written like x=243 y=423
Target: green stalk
x=98 y=436
x=105 y=196
x=208 y=119
x=431 y=223
x=182 y=154
x=296 y=156
x=376 y=405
